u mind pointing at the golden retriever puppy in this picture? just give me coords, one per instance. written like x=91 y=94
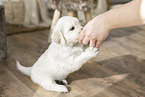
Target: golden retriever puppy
x=64 y=56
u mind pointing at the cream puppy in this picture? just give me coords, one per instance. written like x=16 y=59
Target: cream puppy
x=64 y=56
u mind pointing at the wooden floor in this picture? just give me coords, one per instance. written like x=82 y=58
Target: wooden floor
x=118 y=71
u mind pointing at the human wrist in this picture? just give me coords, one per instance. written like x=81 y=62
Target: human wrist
x=109 y=20
x=105 y=21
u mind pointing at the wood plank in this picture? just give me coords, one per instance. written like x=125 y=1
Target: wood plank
x=11 y=86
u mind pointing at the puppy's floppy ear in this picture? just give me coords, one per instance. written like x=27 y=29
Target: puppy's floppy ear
x=57 y=36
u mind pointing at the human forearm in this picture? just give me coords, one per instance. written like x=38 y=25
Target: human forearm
x=96 y=30
x=125 y=15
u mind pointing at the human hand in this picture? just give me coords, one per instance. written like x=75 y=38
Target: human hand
x=95 y=32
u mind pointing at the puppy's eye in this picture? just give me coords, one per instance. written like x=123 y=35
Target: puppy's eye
x=72 y=28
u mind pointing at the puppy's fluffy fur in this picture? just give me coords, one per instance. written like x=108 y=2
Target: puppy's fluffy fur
x=64 y=56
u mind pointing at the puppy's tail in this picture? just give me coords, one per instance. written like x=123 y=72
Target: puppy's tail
x=24 y=70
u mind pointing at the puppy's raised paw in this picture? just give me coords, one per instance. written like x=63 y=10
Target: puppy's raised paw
x=92 y=51
x=96 y=50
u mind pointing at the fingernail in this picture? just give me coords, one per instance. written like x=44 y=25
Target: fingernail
x=85 y=43
x=97 y=46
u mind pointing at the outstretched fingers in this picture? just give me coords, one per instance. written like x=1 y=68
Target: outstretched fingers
x=92 y=43
x=86 y=40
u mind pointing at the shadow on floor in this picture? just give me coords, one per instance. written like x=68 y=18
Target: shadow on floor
x=118 y=65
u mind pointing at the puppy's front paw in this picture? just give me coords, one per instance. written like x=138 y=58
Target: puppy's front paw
x=92 y=51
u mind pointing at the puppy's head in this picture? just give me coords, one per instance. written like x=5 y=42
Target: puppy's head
x=66 y=31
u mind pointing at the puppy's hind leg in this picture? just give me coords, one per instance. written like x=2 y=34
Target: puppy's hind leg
x=65 y=82
x=61 y=82
x=49 y=84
